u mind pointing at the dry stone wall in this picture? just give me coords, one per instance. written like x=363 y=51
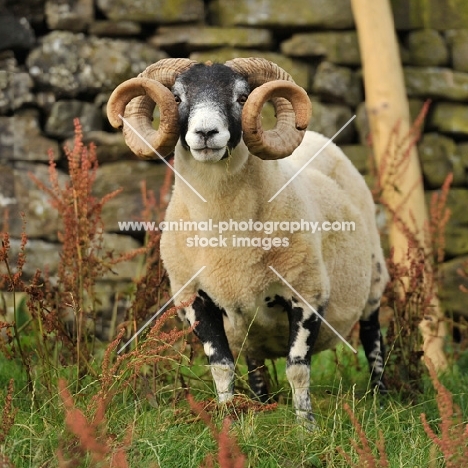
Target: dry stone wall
x=60 y=59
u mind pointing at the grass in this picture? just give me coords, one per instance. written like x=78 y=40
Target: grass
x=169 y=434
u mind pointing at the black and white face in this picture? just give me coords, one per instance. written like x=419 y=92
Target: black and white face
x=210 y=100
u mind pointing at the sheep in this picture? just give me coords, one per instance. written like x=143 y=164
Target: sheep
x=265 y=299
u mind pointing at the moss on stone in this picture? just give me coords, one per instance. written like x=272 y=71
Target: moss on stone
x=437 y=154
x=427 y=48
x=450 y=118
x=147 y=11
x=340 y=47
x=278 y=13
x=436 y=14
x=200 y=38
x=439 y=83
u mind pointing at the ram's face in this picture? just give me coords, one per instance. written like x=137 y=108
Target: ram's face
x=203 y=106
x=210 y=100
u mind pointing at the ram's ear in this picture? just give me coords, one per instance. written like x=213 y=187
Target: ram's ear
x=293 y=112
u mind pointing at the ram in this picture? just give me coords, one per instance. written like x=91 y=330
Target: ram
x=296 y=293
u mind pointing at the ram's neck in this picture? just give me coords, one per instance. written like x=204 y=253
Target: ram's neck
x=230 y=187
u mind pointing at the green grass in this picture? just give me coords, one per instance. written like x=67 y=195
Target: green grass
x=166 y=433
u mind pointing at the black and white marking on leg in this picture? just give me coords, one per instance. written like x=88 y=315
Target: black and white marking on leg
x=372 y=342
x=210 y=330
x=304 y=326
x=258 y=378
x=298 y=375
x=223 y=376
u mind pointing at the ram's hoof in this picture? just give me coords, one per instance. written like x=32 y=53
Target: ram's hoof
x=380 y=387
x=307 y=421
x=224 y=397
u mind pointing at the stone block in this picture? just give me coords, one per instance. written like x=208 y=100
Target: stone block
x=16 y=86
x=70 y=64
x=153 y=11
x=60 y=121
x=450 y=118
x=439 y=158
x=21 y=138
x=15 y=33
x=339 y=47
x=328 y=119
x=42 y=219
x=436 y=83
x=427 y=47
x=40 y=255
x=69 y=15
x=338 y=84
x=202 y=38
x=458 y=44
x=119 y=245
x=128 y=175
x=114 y=28
x=280 y=14
x=435 y=14
x=109 y=146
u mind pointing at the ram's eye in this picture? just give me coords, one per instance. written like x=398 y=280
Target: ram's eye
x=242 y=99
x=177 y=99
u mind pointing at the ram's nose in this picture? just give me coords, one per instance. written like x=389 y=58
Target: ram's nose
x=205 y=134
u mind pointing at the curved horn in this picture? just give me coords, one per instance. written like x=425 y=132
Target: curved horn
x=289 y=130
x=135 y=100
x=137 y=128
x=292 y=106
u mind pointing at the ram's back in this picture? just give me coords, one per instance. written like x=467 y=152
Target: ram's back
x=329 y=160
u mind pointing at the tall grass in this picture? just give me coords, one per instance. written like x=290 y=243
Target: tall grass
x=412 y=290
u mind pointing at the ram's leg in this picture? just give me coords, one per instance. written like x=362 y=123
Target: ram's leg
x=372 y=342
x=304 y=326
x=210 y=330
x=258 y=378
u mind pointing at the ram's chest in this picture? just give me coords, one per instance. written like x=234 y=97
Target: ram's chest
x=230 y=273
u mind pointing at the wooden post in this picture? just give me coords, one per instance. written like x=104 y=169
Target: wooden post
x=387 y=109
